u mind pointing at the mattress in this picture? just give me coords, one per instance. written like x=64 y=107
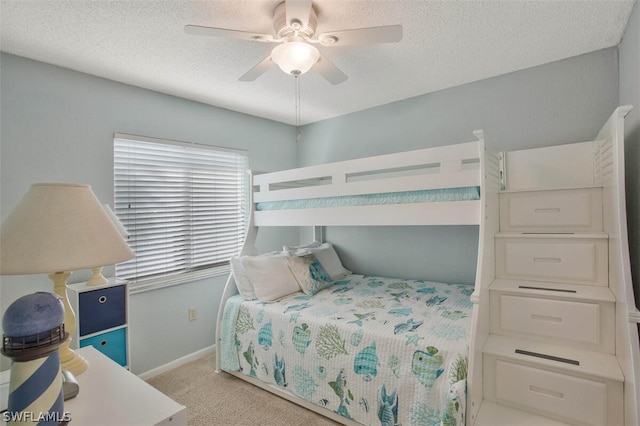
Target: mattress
x=374 y=350
x=405 y=197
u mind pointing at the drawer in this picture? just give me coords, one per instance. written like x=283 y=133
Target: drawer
x=570 y=210
x=565 y=260
x=565 y=397
x=569 y=321
x=101 y=309
x=113 y=344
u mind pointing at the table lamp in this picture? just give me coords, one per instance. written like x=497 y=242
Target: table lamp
x=58 y=228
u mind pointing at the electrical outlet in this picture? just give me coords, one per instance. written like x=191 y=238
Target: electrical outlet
x=193 y=314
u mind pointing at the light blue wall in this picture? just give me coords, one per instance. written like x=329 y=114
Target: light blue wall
x=630 y=95
x=565 y=101
x=57 y=125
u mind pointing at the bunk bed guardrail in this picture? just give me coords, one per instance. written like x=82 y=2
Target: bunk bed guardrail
x=392 y=189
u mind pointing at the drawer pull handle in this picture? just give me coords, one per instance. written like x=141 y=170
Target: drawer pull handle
x=547 y=259
x=549 y=210
x=545 y=318
x=547 y=392
x=549 y=357
x=562 y=290
x=548 y=233
x=102 y=299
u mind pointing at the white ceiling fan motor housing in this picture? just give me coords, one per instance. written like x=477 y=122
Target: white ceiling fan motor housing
x=285 y=29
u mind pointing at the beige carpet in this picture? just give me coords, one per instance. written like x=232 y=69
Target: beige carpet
x=222 y=399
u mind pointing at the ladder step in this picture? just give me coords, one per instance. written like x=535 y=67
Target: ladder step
x=567 y=235
x=493 y=414
x=572 y=360
x=551 y=289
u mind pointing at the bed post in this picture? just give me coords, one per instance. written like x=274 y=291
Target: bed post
x=230 y=288
x=610 y=172
x=485 y=273
x=318 y=233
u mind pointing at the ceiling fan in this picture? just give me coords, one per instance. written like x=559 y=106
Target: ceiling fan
x=294 y=22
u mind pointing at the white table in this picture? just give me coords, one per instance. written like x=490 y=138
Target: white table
x=111 y=395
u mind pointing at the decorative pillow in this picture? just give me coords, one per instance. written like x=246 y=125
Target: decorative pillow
x=329 y=259
x=245 y=287
x=309 y=273
x=270 y=276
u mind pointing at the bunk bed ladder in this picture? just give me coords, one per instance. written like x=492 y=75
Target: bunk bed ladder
x=563 y=343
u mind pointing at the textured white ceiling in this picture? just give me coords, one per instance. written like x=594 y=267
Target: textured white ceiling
x=445 y=44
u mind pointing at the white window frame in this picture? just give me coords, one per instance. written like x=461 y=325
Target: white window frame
x=179 y=176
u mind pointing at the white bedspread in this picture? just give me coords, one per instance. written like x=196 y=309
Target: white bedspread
x=374 y=350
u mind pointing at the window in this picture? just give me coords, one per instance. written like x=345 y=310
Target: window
x=183 y=206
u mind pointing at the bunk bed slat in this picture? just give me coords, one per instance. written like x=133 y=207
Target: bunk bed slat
x=460 y=179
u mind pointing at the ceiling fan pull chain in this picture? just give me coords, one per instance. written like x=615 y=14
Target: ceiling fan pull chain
x=297 y=102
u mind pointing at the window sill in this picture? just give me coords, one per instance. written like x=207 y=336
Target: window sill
x=178 y=279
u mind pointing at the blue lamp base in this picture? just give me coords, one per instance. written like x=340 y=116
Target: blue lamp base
x=35 y=392
x=34 y=330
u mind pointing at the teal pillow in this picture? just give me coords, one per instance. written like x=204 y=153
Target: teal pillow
x=309 y=273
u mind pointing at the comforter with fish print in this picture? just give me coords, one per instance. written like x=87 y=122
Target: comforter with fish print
x=374 y=350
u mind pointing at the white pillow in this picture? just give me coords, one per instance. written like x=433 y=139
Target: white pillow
x=270 y=276
x=329 y=259
x=245 y=287
x=243 y=281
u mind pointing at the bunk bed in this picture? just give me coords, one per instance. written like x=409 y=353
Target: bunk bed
x=356 y=348
x=552 y=301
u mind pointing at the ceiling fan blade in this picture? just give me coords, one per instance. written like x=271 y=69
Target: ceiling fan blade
x=257 y=70
x=371 y=35
x=223 y=32
x=298 y=10
x=330 y=72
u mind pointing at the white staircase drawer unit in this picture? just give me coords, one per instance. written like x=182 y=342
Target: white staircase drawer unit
x=585 y=325
x=564 y=397
x=564 y=260
x=569 y=210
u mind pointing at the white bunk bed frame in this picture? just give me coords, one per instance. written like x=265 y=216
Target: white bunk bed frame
x=462 y=165
x=609 y=171
x=611 y=174
x=454 y=166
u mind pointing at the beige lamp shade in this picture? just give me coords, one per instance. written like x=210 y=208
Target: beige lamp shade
x=59 y=227
x=55 y=229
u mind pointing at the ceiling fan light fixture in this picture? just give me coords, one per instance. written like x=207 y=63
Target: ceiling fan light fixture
x=295 y=57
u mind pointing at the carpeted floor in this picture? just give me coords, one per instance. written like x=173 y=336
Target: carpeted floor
x=222 y=399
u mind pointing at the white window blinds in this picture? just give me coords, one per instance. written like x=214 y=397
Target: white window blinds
x=182 y=204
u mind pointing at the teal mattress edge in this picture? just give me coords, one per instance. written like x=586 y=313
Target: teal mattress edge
x=405 y=197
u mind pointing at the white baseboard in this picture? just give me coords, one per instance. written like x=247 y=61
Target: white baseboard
x=177 y=363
